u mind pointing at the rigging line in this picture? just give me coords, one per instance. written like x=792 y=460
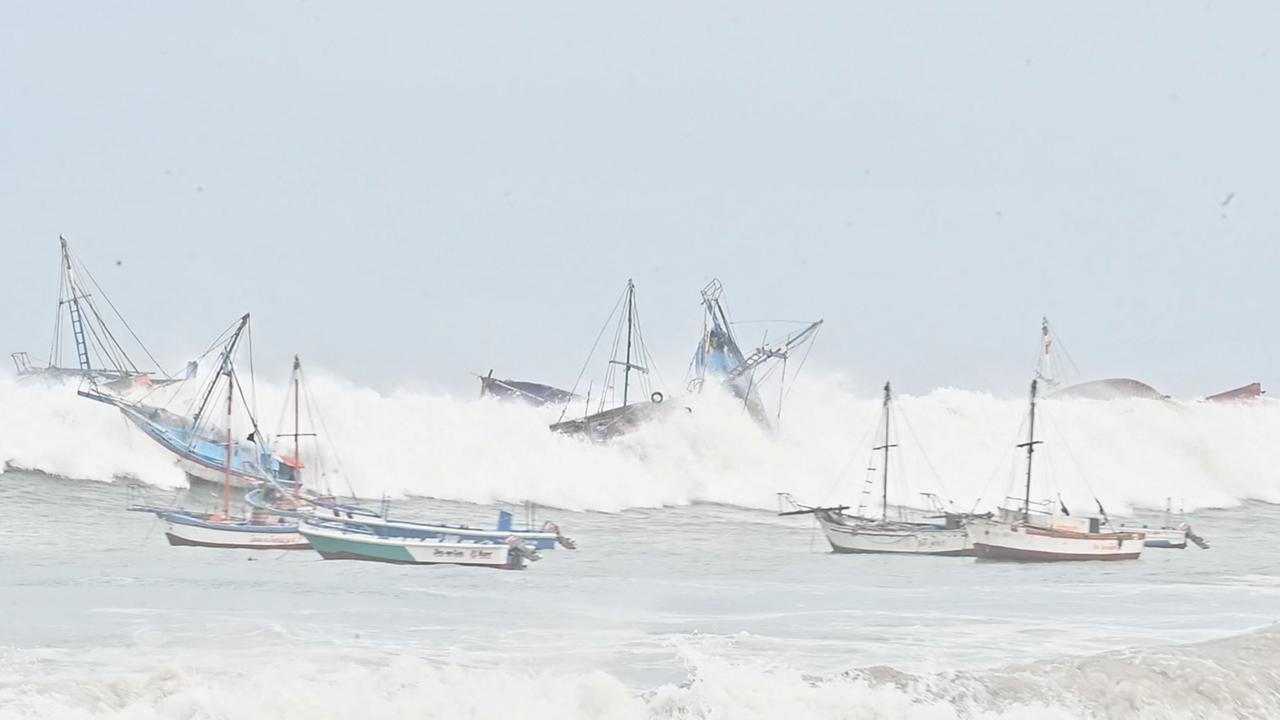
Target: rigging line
x=97 y=318
x=55 y=346
x=780 y=322
x=808 y=349
x=591 y=354
x=123 y=321
x=1062 y=439
x=253 y=376
x=649 y=362
x=844 y=471
x=999 y=466
x=337 y=459
x=915 y=439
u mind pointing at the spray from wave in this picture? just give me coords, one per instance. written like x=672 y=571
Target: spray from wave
x=1231 y=678
x=955 y=443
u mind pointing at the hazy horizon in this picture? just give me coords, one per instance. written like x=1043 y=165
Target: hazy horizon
x=408 y=194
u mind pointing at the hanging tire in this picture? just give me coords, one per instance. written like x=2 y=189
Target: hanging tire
x=656 y=397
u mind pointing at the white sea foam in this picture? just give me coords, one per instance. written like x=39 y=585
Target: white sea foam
x=954 y=442
x=1232 y=678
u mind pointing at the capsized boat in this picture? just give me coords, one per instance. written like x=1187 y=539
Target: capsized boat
x=533 y=393
x=101 y=357
x=911 y=532
x=720 y=358
x=1043 y=532
x=615 y=413
x=338 y=541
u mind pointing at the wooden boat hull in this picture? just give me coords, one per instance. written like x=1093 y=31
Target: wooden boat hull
x=1022 y=543
x=338 y=544
x=895 y=539
x=188 y=531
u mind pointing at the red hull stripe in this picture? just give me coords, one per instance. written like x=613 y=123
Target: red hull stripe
x=184 y=542
x=995 y=552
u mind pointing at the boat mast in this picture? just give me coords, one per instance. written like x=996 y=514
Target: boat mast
x=297 y=429
x=626 y=371
x=73 y=308
x=884 y=466
x=226 y=484
x=1030 y=445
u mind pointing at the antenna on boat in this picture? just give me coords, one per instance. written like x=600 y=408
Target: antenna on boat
x=1030 y=445
x=884 y=465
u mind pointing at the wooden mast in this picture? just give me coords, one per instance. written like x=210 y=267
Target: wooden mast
x=884 y=469
x=297 y=429
x=1030 y=445
x=626 y=369
x=226 y=484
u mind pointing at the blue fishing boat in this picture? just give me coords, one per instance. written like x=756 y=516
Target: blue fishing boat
x=336 y=541
x=720 y=358
x=203 y=453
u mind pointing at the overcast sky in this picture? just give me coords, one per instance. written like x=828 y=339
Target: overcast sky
x=404 y=192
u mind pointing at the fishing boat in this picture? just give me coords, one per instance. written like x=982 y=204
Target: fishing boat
x=1041 y=532
x=201 y=452
x=260 y=530
x=217 y=530
x=338 y=541
x=719 y=356
x=286 y=495
x=101 y=357
x=615 y=413
x=912 y=532
x=532 y=393
x=1167 y=535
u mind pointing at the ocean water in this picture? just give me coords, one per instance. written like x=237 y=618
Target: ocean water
x=688 y=598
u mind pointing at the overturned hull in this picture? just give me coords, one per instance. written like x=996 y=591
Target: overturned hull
x=524 y=391
x=611 y=423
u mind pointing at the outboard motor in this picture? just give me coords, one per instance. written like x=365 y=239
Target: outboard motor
x=567 y=543
x=1199 y=541
x=522 y=551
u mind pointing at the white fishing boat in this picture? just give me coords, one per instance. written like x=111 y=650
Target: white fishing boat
x=217 y=531
x=1041 y=532
x=1167 y=535
x=913 y=532
x=335 y=541
x=259 y=530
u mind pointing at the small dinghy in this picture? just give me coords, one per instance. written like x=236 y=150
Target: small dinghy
x=336 y=541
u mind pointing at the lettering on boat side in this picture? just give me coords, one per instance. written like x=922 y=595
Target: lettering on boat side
x=475 y=554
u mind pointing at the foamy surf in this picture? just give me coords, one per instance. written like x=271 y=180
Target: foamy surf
x=956 y=443
x=1235 y=678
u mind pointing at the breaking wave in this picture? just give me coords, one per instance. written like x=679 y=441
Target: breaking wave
x=956 y=443
x=1234 y=678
